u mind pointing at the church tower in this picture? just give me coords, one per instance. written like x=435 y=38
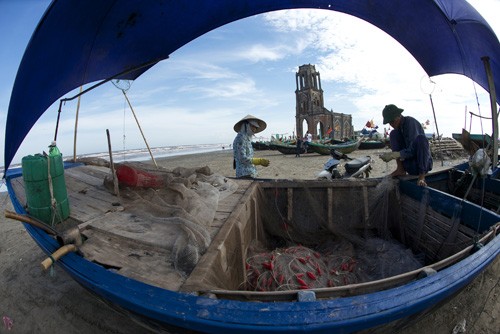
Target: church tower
x=321 y=122
x=309 y=94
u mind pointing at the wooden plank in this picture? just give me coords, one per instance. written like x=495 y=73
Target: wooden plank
x=142 y=263
x=226 y=207
x=289 y=204
x=84 y=175
x=350 y=184
x=330 y=207
x=217 y=262
x=19 y=190
x=220 y=215
x=366 y=203
x=434 y=232
x=99 y=193
x=135 y=228
x=421 y=219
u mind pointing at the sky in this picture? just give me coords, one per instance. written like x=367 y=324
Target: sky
x=247 y=67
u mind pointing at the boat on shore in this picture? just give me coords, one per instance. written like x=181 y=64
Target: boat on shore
x=332 y=141
x=187 y=250
x=480 y=140
x=325 y=149
x=372 y=144
x=261 y=145
x=289 y=149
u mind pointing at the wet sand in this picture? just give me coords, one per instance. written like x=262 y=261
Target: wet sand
x=44 y=302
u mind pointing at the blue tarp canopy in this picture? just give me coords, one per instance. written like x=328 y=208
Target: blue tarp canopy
x=77 y=42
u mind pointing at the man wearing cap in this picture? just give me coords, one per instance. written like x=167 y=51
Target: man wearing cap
x=409 y=145
x=244 y=162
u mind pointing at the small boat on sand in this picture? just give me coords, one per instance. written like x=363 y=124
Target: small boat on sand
x=260 y=145
x=481 y=141
x=289 y=149
x=325 y=149
x=372 y=144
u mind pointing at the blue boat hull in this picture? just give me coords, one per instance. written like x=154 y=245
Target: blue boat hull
x=185 y=312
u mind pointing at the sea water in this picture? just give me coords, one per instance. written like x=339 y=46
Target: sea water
x=141 y=154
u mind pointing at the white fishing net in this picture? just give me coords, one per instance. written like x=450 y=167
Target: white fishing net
x=179 y=205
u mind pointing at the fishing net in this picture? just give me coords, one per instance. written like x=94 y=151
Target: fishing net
x=313 y=242
x=297 y=267
x=178 y=205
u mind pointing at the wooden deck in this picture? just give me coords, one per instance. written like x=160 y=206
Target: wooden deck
x=124 y=242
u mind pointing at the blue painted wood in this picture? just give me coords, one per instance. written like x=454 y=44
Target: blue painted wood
x=472 y=215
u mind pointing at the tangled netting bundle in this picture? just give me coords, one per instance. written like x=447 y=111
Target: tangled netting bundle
x=312 y=242
x=297 y=267
x=179 y=204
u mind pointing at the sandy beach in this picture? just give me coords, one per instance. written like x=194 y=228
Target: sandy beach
x=32 y=301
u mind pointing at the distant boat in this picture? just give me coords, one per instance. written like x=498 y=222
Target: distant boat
x=332 y=141
x=260 y=145
x=478 y=139
x=325 y=149
x=289 y=149
x=372 y=144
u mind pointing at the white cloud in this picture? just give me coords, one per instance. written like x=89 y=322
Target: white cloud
x=260 y=52
x=375 y=69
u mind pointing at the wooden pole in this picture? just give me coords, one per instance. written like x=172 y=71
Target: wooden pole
x=57 y=255
x=112 y=166
x=76 y=124
x=483 y=117
x=437 y=129
x=465 y=118
x=140 y=129
x=494 y=114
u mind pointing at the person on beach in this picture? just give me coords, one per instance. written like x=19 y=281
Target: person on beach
x=307 y=139
x=299 y=147
x=409 y=145
x=244 y=162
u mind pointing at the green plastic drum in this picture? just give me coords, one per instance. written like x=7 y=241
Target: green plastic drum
x=36 y=182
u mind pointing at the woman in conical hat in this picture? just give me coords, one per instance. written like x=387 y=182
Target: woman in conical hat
x=244 y=162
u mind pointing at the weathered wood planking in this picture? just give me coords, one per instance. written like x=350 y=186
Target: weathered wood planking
x=87 y=174
x=88 y=198
x=223 y=262
x=18 y=186
x=434 y=232
x=130 y=259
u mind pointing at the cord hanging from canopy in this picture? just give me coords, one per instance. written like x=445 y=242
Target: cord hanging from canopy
x=124 y=86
